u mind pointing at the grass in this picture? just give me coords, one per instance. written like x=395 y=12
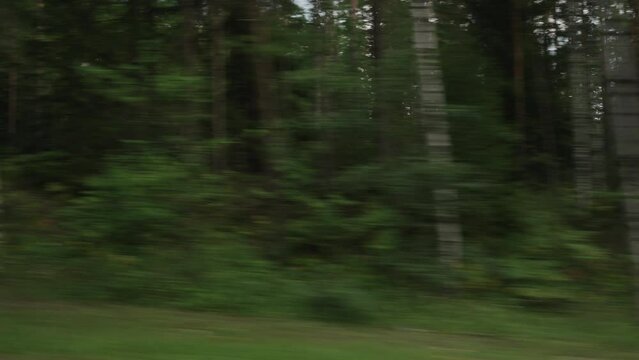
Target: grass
x=31 y=331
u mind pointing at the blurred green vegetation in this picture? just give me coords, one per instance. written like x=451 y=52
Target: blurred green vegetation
x=251 y=157
x=154 y=230
x=455 y=330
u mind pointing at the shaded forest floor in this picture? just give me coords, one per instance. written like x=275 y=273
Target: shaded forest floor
x=46 y=331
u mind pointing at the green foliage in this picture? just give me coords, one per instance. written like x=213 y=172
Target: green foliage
x=453 y=330
x=322 y=205
x=138 y=201
x=293 y=246
x=543 y=260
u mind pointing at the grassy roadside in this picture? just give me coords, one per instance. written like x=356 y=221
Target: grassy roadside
x=31 y=331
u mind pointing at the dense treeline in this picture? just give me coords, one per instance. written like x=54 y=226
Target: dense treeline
x=262 y=155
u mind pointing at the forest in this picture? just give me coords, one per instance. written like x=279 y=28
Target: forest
x=342 y=160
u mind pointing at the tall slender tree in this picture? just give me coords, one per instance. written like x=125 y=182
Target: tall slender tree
x=12 y=110
x=265 y=78
x=433 y=114
x=581 y=107
x=378 y=113
x=189 y=42
x=217 y=18
x=10 y=17
x=519 y=67
x=622 y=91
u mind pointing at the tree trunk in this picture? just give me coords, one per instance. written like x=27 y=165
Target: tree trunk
x=379 y=115
x=596 y=69
x=519 y=72
x=326 y=52
x=353 y=36
x=190 y=63
x=581 y=107
x=189 y=35
x=133 y=36
x=2 y=219
x=547 y=108
x=12 y=111
x=547 y=116
x=265 y=85
x=437 y=137
x=354 y=6
x=622 y=92
x=217 y=18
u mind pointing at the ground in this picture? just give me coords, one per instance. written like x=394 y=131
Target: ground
x=39 y=331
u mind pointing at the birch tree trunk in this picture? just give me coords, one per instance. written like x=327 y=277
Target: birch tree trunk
x=581 y=108
x=622 y=91
x=433 y=115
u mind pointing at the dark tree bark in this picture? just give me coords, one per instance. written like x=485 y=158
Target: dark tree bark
x=12 y=111
x=189 y=34
x=188 y=9
x=379 y=115
x=519 y=70
x=217 y=18
x=581 y=107
x=133 y=22
x=265 y=82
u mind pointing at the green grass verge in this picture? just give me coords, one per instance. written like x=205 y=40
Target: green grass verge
x=32 y=331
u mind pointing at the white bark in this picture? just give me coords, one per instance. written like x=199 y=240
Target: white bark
x=622 y=111
x=437 y=137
